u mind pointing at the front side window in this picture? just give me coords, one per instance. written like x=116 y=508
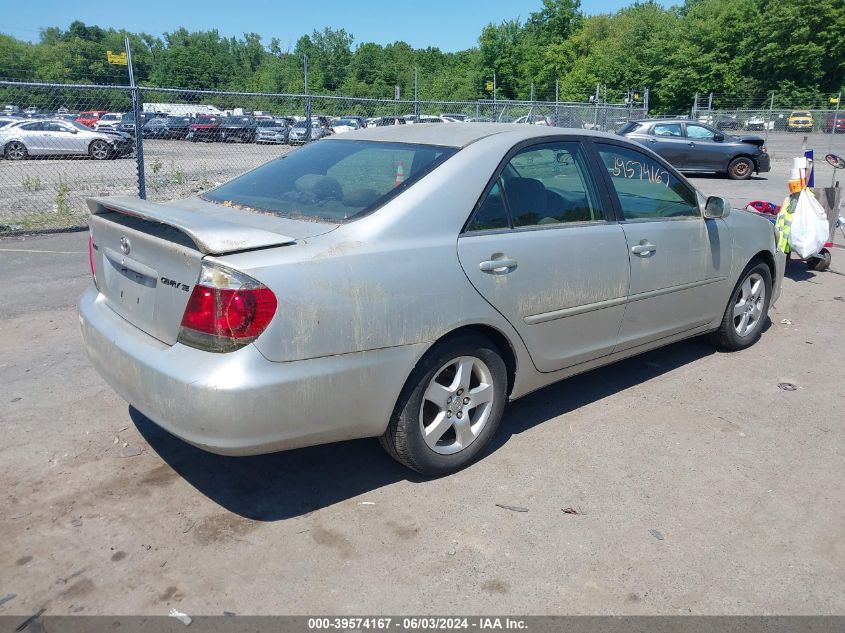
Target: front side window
x=667 y=129
x=332 y=180
x=645 y=188
x=700 y=133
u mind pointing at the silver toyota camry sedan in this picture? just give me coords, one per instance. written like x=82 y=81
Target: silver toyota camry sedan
x=405 y=282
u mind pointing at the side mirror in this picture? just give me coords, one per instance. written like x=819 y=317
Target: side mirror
x=719 y=138
x=74 y=131
x=716 y=207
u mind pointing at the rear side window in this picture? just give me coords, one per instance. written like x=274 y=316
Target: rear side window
x=667 y=129
x=331 y=180
x=542 y=185
x=645 y=188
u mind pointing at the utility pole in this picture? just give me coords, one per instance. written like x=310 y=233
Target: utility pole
x=596 y=99
x=710 y=104
x=307 y=100
x=136 y=113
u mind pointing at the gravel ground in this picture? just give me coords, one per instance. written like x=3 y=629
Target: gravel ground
x=50 y=193
x=700 y=486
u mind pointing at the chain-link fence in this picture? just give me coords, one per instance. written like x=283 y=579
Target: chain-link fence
x=771 y=113
x=63 y=143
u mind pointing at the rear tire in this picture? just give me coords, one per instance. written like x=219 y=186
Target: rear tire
x=747 y=310
x=740 y=168
x=450 y=407
x=15 y=150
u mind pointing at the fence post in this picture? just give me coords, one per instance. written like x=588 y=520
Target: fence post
x=557 y=104
x=694 y=113
x=495 y=118
x=416 y=97
x=136 y=113
x=833 y=123
x=307 y=99
x=770 y=120
x=645 y=102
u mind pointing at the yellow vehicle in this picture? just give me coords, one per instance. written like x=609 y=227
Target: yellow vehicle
x=800 y=121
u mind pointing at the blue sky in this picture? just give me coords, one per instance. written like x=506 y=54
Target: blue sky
x=450 y=25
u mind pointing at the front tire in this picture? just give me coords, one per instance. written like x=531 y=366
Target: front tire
x=15 y=150
x=450 y=407
x=748 y=309
x=740 y=168
x=99 y=150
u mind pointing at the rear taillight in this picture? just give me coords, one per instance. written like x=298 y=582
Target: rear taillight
x=226 y=310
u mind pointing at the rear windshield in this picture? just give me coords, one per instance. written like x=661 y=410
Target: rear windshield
x=630 y=126
x=331 y=180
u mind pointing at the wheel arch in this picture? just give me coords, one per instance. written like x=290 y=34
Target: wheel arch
x=494 y=335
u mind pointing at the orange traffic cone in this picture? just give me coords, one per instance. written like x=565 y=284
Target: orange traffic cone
x=400 y=174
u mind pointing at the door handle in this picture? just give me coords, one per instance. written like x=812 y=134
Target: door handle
x=691 y=144
x=644 y=248
x=499 y=266
x=652 y=140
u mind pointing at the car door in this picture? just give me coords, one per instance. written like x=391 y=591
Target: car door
x=544 y=249
x=680 y=263
x=58 y=139
x=33 y=137
x=705 y=152
x=667 y=139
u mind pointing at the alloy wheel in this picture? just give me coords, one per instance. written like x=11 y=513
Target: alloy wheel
x=456 y=405
x=749 y=304
x=99 y=150
x=15 y=151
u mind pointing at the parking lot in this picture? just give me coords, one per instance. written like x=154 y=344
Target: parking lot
x=693 y=482
x=51 y=193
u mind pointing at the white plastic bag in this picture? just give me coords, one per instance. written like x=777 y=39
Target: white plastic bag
x=809 y=231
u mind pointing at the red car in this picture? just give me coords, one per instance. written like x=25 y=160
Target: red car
x=839 y=122
x=205 y=128
x=90 y=117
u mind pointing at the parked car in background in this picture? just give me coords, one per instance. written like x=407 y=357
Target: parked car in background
x=696 y=147
x=758 y=123
x=273 y=131
x=341 y=126
x=54 y=137
x=154 y=128
x=835 y=122
x=127 y=121
x=298 y=133
x=204 y=128
x=383 y=121
x=479 y=119
x=90 y=117
x=238 y=129
x=362 y=121
x=800 y=121
x=454 y=116
x=567 y=117
x=110 y=120
x=509 y=258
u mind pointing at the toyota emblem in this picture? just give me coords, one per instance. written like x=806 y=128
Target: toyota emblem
x=125 y=246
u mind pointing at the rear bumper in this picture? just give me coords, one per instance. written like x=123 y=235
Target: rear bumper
x=240 y=403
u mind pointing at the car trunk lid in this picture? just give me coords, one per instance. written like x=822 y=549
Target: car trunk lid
x=147 y=256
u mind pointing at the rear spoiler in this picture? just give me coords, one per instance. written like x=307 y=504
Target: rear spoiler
x=212 y=235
